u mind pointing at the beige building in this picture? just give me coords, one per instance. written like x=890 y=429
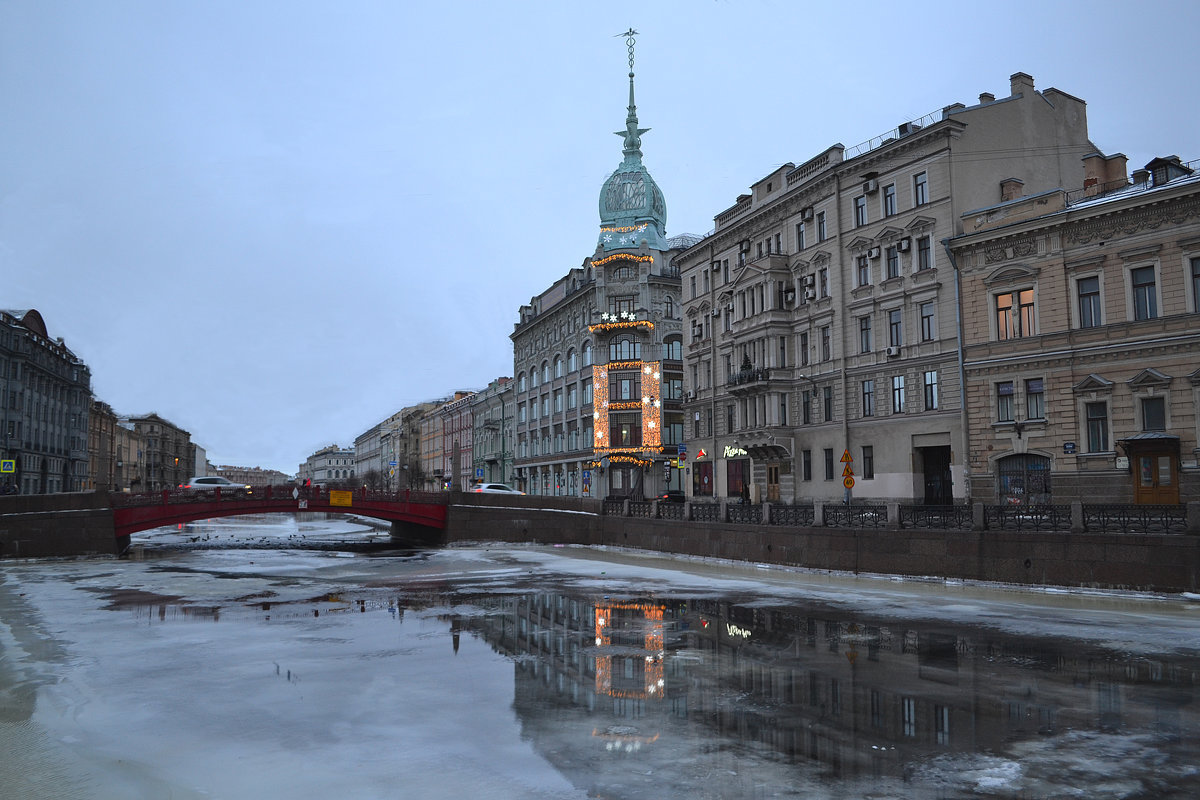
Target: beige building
x=1082 y=342
x=329 y=466
x=492 y=415
x=255 y=476
x=168 y=455
x=102 y=448
x=823 y=346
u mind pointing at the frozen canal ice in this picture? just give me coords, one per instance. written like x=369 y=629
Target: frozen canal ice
x=245 y=658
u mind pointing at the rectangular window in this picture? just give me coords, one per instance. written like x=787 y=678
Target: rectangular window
x=730 y=418
x=1096 y=415
x=821 y=233
x=1014 y=314
x=826 y=344
x=898 y=394
x=868 y=398
x=1089 y=301
x=860 y=211
x=799 y=235
x=693 y=285
x=1154 y=414
x=823 y=282
x=931 y=390
x=558 y=401
x=1004 y=401
x=889 y=200
x=868 y=462
x=1145 y=295
x=806 y=407
x=864 y=334
x=920 y=189
x=893 y=261
x=924 y=252
x=863 y=270
x=804 y=349
x=1035 y=399
x=783 y=359
x=895 y=327
x=827 y=402
x=806 y=464
x=909 y=716
x=928 y=326
x=828 y=464
x=1196 y=285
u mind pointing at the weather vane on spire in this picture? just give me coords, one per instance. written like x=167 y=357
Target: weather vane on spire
x=632 y=133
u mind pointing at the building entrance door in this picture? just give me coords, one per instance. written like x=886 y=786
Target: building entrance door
x=1155 y=481
x=772 y=483
x=938 y=488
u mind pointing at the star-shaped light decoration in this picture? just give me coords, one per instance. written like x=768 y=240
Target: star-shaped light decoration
x=608 y=237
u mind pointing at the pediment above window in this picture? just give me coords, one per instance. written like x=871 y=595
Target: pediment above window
x=1011 y=274
x=821 y=258
x=890 y=234
x=1149 y=378
x=860 y=243
x=1093 y=383
x=919 y=224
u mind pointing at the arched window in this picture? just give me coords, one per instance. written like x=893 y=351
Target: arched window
x=572 y=360
x=670 y=308
x=521 y=382
x=558 y=366
x=624 y=271
x=533 y=378
x=624 y=348
x=673 y=349
x=545 y=372
x=1023 y=479
x=587 y=354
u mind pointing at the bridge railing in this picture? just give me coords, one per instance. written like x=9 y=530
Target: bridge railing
x=313 y=494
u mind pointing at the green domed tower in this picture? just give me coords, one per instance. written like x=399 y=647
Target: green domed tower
x=632 y=208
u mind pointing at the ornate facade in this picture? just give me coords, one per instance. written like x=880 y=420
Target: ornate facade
x=1083 y=365
x=823 y=336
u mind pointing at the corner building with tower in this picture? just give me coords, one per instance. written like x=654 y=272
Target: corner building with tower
x=598 y=356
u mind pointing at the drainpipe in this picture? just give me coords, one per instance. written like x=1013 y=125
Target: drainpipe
x=962 y=372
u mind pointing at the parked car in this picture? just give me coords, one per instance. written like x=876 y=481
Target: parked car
x=209 y=484
x=494 y=488
x=673 y=496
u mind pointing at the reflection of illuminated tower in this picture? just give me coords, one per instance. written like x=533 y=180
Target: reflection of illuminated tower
x=618 y=628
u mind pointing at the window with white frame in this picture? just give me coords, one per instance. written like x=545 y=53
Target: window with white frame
x=889 y=200
x=928 y=322
x=863 y=270
x=1035 y=398
x=868 y=398
x=860 y=211
x=897 y=394
x=1004 y=401
x=931 y=390
x=892 y=259
x=1087 y=293
x=1096 y=426
x=895 y=327
x=1144 y=289
x=924 y=252
x=920 y=189
x=864 y=334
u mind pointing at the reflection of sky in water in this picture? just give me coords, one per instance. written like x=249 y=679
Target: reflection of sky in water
x=563 y=672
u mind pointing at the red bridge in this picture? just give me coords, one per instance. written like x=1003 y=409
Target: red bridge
x=139 y=512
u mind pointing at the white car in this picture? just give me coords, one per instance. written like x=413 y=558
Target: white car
x=494 y=488
x=209 y=484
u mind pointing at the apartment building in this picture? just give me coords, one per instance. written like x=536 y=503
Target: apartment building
x=598 y=363
x=822 y=352
x=1082 y=348
x=331 y=465
x=168 y=453
x=492 y=415
x=458 y=445
x=45 y=396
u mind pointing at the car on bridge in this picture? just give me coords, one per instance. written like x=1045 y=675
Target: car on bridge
x=209 y=484
x=494 y=488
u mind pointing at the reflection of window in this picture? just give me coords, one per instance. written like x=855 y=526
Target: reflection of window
x=1004 y=401
x=1154 y=414
x=1014 y=314
x=1089 y=301
x=1035 y=399
x=1145 y=296
x=1024 y=479
x=1096 y=415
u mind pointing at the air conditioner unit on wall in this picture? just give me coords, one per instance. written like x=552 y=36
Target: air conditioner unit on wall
x=873 y=252
x=716 y=312
x=905 y=244
x=870 y=186
x=810 y=293
x=893 y=351
x=810 y=280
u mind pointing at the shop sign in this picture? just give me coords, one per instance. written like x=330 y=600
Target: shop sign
x=734 y=452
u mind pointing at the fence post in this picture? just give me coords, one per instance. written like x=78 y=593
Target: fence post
x=1193 y=518
x=625 y=507
x=893 y=514
x=654 y=509
x=766 y=519
x=978 y=520
x=1077 y=525
x=818 y=513
x=687 y=510
x=724 y=509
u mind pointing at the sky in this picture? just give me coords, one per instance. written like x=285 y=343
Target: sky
x=277 y=223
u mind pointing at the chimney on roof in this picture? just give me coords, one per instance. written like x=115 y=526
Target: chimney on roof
x=1020 y=82
x=1103 y=173
x=986 y=97
x=1011 y=189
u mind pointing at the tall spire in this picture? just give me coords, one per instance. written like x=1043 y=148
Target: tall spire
x=632 y=133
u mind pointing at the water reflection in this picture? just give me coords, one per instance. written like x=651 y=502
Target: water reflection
x=847 y=699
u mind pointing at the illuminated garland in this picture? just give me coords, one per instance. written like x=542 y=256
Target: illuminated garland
x=621 y=257
x=624 y=229
x=624 y=365
x=608 y=326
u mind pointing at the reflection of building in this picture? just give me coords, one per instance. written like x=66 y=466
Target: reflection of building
x=824 y=320
x=598 y=356
x=675 y=685
x=1082 y=359
x=45 y=396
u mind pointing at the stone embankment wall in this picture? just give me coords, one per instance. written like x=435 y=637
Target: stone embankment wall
x=35 y=526
x=1143 y=562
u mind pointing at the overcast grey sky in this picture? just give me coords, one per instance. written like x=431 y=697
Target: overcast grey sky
x=275 y=223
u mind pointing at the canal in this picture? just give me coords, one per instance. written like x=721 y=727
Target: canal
x=278 y=657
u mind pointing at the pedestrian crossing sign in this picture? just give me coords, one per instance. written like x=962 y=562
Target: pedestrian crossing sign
x=8 y=465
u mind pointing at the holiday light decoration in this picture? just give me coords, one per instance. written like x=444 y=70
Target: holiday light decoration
x=653 y=683
x=621 y=257
x=612 y=326
x=623 y=228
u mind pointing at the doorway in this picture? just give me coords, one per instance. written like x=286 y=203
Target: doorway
x=772 y=483
x=939 y=488
x=1155 y=478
